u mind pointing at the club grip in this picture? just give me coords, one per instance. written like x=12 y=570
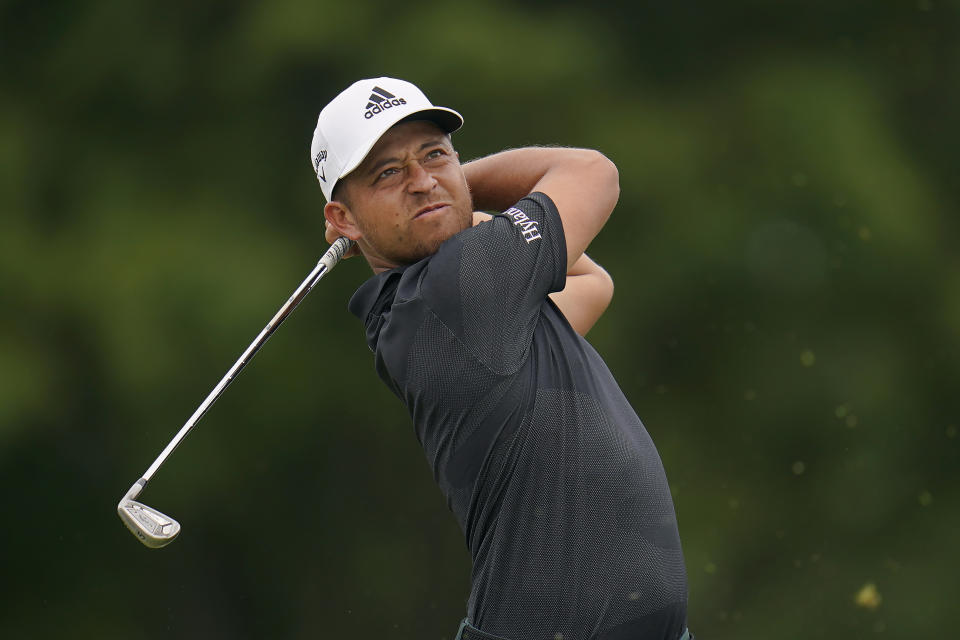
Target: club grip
x=336 y=252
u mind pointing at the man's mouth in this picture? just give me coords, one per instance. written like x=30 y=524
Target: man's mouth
x=430 y=209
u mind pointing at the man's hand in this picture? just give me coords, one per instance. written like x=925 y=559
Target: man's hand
x=480 y=216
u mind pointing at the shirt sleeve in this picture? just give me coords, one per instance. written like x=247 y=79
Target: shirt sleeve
x=489 y=283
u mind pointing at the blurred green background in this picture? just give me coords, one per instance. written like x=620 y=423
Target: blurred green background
x=786 y=317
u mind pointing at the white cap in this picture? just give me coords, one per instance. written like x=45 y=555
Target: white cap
x=351 y=124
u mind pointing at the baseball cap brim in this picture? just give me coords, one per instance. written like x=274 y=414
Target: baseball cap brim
x=447 y=119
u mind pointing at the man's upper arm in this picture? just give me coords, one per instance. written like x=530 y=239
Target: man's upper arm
x=488 y=283
x=585 y=189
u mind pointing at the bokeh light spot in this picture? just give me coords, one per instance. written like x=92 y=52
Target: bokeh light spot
x=868 y=597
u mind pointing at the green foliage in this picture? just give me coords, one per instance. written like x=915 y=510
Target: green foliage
x=786 y=317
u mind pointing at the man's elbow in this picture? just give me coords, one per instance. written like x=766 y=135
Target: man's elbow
x=601 y=293
x=607 y=177
x=601 y=288
x=605 y=289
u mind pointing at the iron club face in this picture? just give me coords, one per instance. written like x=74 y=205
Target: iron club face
x=151 y=527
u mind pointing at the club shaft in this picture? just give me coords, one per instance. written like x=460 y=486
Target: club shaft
x=327 y=262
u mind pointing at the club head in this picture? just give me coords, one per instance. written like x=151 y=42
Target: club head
x=151 y=527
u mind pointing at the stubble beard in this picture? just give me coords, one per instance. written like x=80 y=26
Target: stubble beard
x=425 y=247
x=408 y=250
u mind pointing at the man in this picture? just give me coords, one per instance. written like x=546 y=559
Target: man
x=474 y=323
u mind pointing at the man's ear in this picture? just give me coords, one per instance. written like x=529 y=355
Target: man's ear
x=341 y=219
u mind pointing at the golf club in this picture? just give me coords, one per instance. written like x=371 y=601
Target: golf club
x=155 y=529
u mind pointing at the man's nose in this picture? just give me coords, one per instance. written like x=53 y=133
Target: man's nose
x=421 y=180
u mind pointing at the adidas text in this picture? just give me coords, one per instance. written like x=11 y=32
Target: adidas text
x=386 y=104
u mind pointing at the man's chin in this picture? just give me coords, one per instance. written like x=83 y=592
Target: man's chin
x=430 y=241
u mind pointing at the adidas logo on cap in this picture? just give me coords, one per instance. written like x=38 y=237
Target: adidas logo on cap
x=381 y=100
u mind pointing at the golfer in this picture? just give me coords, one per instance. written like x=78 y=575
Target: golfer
x=476 y=324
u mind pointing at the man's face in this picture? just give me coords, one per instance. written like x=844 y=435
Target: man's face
x=407 y=197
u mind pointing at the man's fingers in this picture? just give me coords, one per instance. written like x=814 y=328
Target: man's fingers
x=480 y=216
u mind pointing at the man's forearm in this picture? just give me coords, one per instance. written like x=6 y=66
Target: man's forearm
x=587 y=294
x=583 y=184
x=499 y=180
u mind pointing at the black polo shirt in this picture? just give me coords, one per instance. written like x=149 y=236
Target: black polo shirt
x=554 y=480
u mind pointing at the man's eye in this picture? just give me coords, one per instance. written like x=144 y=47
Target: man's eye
x=386 y=173
x=436 y=153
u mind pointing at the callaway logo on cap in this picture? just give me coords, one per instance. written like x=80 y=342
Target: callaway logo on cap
x=351 y=124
